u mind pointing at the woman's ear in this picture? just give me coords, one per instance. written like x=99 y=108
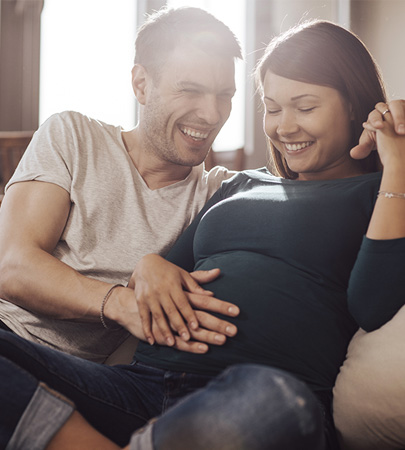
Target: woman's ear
x=139 y=81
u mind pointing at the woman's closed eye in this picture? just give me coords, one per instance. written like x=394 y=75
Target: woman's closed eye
x=307 y=110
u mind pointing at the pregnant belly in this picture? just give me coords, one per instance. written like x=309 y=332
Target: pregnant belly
x=288 y=319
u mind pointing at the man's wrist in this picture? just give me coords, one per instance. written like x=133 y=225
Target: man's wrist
x=104 y=303
x=123 y=309
x=114 y=301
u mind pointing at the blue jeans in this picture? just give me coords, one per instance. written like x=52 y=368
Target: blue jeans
x=246 y=407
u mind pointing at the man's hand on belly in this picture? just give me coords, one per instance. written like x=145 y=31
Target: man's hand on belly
x=169 y=298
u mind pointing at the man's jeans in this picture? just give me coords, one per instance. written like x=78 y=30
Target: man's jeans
x=246 y=407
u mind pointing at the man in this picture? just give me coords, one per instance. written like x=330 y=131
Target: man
x=89 y=199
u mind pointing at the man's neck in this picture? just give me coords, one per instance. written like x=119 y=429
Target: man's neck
x=156 y=172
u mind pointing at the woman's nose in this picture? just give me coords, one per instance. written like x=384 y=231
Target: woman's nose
x=287 y=124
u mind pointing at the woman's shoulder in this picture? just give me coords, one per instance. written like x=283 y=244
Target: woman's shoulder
x=261 y=174
x=246 y=179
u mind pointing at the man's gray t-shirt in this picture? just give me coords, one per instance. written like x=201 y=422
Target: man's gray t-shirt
x=114 y=219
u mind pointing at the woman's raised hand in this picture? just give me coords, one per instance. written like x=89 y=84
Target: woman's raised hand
x=390 y=145
x=388 y=219
x=375 y=121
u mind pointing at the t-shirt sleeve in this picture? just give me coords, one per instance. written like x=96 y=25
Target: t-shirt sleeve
x=49 y=156
x=377 y=283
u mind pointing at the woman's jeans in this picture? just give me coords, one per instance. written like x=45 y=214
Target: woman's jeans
x=246 y=407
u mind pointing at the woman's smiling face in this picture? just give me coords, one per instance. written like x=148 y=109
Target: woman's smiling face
x=310 y=125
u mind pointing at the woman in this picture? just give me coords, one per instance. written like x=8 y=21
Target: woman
x=286 y=246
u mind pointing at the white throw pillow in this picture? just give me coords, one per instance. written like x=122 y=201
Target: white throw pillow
x=369 y=395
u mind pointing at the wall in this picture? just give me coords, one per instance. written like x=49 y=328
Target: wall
x=19 y=64
x=380 y=24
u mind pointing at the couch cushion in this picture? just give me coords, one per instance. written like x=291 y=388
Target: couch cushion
x=369 y=396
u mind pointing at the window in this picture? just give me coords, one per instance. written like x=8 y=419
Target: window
x=87 y=52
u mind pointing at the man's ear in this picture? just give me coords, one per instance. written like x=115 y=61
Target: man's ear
x=139 y=81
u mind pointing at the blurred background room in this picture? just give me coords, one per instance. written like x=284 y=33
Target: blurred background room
x=60 y=55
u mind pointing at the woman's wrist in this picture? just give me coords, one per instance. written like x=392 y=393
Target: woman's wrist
x=393 y=178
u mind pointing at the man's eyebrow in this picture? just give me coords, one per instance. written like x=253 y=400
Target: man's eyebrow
x=189 y=84
x=297 y=97
x=192 y=84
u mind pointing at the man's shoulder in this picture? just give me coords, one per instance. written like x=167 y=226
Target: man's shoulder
x=67 y=117
x=76 y=121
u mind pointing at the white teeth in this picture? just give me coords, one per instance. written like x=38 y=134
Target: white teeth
x=295 y=147
x=194 y=134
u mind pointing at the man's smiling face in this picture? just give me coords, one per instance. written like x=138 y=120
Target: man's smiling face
x=187 y=104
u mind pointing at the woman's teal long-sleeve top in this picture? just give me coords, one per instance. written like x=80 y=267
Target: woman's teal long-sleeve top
x=286 y=250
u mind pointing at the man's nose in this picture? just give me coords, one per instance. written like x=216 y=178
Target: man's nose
x=209 y=109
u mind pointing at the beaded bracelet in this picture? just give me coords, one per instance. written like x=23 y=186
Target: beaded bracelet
x=390 y=194
x=104 y=302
